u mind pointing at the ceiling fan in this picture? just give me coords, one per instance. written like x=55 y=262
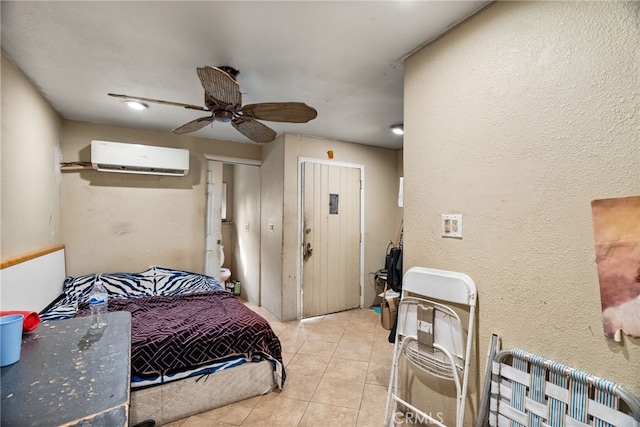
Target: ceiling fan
x=222 y=98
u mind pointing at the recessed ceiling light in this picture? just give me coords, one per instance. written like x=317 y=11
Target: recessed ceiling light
x=398 y=129
x=136 y=105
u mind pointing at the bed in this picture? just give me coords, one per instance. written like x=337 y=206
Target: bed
x=194 y=346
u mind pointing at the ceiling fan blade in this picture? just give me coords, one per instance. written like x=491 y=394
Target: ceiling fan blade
x=219 y=85
x=158 y=101
x=194 y=125
x=254 y=130
x=294 y=112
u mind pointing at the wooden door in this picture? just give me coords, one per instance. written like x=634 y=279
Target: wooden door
x=331 y=238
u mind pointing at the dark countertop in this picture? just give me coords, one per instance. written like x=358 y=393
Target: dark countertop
x=70 y=375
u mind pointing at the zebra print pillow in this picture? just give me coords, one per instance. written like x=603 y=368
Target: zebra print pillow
x=118 y=285
x=153 y=281
x=174 y=282
x=63 y=309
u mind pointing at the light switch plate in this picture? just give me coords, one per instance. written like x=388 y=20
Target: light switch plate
x=452 y=225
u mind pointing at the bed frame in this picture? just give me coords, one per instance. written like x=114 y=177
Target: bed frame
x=190 y=396
x=32 y=281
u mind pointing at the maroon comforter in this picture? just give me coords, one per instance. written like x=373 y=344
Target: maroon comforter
x=178 y=332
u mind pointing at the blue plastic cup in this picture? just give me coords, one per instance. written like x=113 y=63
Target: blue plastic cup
x=10 y=338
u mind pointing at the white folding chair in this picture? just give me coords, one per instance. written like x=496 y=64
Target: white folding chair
x=430 y=335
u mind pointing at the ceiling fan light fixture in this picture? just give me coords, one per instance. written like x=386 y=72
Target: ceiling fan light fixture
x=136 y=105
x=223 y=116
x=398 y=129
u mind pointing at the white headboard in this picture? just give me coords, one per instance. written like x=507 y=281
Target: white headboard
x=30 y=282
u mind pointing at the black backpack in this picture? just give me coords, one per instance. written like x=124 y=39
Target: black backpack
x=393 y=265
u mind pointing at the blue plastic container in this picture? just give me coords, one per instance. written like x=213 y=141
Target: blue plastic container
x=10 y=338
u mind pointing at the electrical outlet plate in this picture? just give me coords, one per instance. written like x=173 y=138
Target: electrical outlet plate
x=452 y=225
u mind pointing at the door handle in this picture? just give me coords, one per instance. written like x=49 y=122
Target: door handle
x=308 y=250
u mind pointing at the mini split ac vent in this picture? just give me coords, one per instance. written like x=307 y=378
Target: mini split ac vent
x=133 y=169
x=108 y=156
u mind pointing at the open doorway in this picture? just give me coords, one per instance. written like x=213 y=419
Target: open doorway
x=232 y=230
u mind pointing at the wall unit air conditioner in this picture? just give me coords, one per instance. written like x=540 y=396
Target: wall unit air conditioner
x=108 y=156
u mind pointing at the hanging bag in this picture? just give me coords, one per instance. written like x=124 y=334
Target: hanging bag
x=393 y=265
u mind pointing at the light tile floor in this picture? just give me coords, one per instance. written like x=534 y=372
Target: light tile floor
x=337 y=369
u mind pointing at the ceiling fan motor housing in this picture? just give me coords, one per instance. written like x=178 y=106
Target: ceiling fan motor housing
x=230 y=70
x=223 y=116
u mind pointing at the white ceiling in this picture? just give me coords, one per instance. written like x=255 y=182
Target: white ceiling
x=344 y=58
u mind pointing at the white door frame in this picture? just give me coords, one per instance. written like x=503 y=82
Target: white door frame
x=302 y=160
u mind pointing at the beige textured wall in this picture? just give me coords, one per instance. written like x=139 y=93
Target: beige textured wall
x=128 y=222
x=29 y=171
x=271 y=205
x=517 y=119
x=381 y=211
x=246 y=267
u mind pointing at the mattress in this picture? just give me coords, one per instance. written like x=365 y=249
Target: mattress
x=138 y=382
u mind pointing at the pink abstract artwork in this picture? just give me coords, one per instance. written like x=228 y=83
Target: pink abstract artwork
x=616 y=225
